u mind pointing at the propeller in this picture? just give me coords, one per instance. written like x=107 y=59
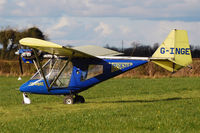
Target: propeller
x=20 y=64
x=20 y=61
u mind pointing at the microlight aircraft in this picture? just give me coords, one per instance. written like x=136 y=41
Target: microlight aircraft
x=70 y=71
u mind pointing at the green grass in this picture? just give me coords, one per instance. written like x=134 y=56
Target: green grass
x=117 y=105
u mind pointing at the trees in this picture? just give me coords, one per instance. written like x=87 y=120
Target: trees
x=9 y=39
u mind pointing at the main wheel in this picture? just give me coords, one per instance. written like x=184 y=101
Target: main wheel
x=68 y=100
x=79 y=99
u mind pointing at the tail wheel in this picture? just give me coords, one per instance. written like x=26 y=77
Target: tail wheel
x=79 y=99
x=68 y=100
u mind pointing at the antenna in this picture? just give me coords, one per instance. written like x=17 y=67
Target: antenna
x=122 y=46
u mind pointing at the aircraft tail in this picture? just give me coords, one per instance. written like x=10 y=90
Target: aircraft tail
x=174 y=53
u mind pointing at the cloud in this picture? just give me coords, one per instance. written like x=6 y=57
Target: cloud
x=103 y=22
x=103 y=29
x=21 y=4
x=58 y=27
x=124 y=29
x=2 y=3
x=63 y=22
x=172 y=10
x=109 y=31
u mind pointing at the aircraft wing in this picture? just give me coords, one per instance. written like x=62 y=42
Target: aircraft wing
x=96 y=50
x=88 y=51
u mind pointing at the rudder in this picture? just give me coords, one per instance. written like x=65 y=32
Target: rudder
x=174 y=53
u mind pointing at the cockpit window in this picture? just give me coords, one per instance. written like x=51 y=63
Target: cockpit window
x=92 y=71
x=52 y=69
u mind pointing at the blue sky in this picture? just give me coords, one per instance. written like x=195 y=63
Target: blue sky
x=101 y=22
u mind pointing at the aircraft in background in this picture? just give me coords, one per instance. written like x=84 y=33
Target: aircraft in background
x=69 y=71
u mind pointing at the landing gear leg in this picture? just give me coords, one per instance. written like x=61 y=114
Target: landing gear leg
x=26 y=99
x=69 y=99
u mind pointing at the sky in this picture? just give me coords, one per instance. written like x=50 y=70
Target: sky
x=101 y=22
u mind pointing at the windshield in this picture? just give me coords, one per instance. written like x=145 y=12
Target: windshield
x=52 y=69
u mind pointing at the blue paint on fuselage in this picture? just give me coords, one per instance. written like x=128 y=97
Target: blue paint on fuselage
x=111 y=68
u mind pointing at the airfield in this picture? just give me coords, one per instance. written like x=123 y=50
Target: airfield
x=117 y=105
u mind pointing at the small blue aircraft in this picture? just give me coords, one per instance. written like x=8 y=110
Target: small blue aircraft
x=69 y=71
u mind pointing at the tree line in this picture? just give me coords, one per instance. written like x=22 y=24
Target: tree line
x=141 y=50
x=9 y=41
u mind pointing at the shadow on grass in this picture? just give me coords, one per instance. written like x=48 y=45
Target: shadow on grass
x=143 y=101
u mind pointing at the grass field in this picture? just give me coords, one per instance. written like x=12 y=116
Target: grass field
x=117 y=105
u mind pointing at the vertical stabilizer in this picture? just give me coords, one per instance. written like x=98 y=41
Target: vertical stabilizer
x=174 y=53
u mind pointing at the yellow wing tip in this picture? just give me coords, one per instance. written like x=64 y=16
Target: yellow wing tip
x=27 y=41
x=34 y=42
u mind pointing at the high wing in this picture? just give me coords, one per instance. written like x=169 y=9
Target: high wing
x=88 y=51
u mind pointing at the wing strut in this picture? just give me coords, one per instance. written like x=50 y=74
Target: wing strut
x=40 y=66
x=37 y=68
x=62 y=69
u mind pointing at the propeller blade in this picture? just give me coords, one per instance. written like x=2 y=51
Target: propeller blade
x=20 y=60
x=20 y=64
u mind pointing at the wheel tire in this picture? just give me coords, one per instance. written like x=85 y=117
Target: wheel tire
x=68 y=100
x=79 y=99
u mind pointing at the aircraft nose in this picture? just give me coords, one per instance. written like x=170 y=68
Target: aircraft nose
x=22 y=89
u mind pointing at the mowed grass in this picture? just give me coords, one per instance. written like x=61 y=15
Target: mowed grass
x=117 y=105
